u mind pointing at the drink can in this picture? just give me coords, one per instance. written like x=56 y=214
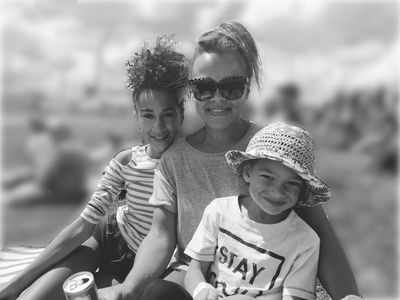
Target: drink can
x=80 y=286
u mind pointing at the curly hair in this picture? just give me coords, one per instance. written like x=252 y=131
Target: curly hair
x=160 y=67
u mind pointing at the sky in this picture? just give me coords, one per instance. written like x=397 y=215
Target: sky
x=323 y=45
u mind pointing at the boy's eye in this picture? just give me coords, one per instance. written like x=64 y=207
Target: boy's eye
x=294 y=183
x=268 y=177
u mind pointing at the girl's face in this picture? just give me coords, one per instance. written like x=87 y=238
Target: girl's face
x=218 y=112
x=159 y=120
x=274 y=187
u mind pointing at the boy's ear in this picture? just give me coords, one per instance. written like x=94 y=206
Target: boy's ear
x=305 y=194
x=246 y=168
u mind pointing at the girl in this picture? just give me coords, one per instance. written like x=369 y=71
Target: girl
x=157 y=77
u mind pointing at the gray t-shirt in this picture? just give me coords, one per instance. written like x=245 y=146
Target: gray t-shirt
x=187 y=180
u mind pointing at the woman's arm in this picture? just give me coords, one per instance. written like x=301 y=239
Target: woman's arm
x=151 y=259
x=334 y=270
x=68 y=240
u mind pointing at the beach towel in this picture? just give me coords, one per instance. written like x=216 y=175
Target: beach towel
x=14 y=260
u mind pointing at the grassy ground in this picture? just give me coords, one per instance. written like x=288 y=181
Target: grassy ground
x=363 y=209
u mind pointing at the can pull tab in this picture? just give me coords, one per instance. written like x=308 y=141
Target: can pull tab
x=84 y=280
x=75 y=283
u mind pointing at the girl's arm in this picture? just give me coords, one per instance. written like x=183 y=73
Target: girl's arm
x=151 y=258
x=334 y=270
x=68 y=240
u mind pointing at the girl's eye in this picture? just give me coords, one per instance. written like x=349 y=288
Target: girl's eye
x=170 y=115
x=147 y=116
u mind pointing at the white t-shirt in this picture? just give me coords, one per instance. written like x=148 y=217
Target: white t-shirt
x=264 y=261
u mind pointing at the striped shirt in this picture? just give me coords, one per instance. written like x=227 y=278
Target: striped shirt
x=136 y=178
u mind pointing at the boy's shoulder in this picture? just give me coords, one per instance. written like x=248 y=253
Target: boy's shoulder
x=304 y=231
x=223 y=204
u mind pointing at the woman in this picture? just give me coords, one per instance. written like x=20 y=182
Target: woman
x=193 y=171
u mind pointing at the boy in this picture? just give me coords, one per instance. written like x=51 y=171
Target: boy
x=254 y=245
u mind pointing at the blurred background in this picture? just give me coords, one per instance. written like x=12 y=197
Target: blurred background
x=329 y=66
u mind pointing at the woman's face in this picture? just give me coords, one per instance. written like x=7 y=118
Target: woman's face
x=218 y=112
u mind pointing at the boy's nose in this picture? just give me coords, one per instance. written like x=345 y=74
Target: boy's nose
x=276 y=191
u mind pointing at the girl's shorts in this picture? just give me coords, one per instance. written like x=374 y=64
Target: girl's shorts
x=117 y=258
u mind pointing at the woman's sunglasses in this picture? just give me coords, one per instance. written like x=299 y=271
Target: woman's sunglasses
x=231 y=88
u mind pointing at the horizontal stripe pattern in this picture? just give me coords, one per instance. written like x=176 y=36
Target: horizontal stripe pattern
x=14 y=260
x=136 y=178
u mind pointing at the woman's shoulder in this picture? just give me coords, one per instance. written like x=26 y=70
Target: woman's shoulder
x=244 y=141
x=254 y=127
x=176 y=148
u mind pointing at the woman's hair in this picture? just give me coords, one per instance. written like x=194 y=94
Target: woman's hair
x=160 y=67
x=231 y=37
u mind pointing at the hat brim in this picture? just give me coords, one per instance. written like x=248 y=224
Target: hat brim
x=319 y=191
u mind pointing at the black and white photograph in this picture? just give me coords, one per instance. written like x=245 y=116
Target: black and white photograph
x=199 y=149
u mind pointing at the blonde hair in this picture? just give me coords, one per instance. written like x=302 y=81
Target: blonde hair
x=231 y=37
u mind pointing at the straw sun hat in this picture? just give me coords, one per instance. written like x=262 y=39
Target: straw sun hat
x=294 y=148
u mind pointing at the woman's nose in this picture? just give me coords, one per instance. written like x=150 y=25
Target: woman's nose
x=218 y=97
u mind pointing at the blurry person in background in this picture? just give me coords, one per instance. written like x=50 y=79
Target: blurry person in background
x=336 y=122
x=106 y=235
x=193 y=172
x=56 y=170
x=285 y=105
x=380 y=131
x=100 y=153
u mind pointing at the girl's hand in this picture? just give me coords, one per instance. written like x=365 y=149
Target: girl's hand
x=8 y=293
x=207 y=294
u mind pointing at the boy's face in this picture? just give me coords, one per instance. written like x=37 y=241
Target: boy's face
x=272 y=186
x=159 y=120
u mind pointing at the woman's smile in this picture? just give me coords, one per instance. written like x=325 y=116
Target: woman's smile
x=218 y=111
